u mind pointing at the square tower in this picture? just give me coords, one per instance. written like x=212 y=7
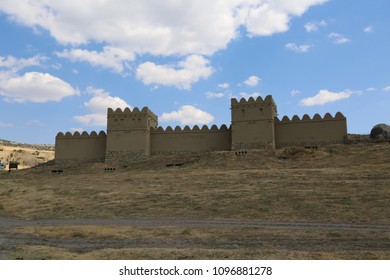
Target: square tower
x=253 y=123
x=128 y=133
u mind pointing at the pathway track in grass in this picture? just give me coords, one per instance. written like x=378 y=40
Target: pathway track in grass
x=7 y=223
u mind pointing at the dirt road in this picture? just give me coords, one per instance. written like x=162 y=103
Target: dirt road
x=7 y=223
x=175 y=234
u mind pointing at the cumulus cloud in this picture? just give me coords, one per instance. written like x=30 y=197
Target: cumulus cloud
x=13 y=64
x=111 y=58
x=252 y=81
x=368 y=29
x=180 y=27
x=3 y=124
x=298 y=48
x=102 y=100
x=98 y=105
x=295 y=92
x=126 y=29
x=371 y=89
x=35 y=87
x=224 y=86
x=324 y=96
x=187 y=115
x=315 y=25
x=270 y=17
x=338 y=38
x=182 y=76
x=31 y=86
x=211 y=95
x=386 y=88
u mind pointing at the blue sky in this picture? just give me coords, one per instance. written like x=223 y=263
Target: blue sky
x=63 y=63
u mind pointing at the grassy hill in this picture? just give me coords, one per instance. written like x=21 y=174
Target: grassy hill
x=337 y=184
x=26 y=154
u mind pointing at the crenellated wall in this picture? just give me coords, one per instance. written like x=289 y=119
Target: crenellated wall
x=307 y=131
x=82 y=147
x=190 y=140
x=253 y=123
x=133 y=134
x=128 y=133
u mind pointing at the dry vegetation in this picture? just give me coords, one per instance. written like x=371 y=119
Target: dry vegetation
x=335 y=184
x=26 y=155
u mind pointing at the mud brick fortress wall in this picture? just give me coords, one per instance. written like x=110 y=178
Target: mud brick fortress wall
x=134 y=134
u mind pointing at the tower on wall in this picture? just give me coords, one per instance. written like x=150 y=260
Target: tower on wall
x=128 y=133
x=253 y=123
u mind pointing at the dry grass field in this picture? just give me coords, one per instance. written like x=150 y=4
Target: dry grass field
x=320 y=194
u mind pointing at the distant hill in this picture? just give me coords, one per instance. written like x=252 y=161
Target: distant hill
x=47 y=147
x=27 y=155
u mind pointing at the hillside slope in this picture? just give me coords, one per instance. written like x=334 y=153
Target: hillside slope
x=25 y=154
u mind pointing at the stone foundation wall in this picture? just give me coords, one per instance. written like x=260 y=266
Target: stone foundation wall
x=73 y=162
x=125 y=156
x=250 y=146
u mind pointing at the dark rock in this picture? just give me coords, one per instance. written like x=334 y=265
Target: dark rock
x=380 y=131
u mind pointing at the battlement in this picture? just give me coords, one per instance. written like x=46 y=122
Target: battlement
x=306 y=118
x=187 y=129
x=84 y=134
x=128 y=111
x=133 y=134
x=81 y=147
x=135 y=119
x=251 y=100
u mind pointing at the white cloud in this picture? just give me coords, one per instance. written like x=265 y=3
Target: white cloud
x=31 y=86
x=111 y=58
x=13 y=64
x=98 y=106
x=95 y=119
x=368 y=29
x=224 y=86
x=386 y=88
x=270 y=17
x=35 y=123
x=57 y=66
x=187 y=115
x=338 y=38
x=182 y=76
x=371 y=89
x=298 y=48
x=324 y=96
x=247 y=95
x=315 y=25
x=211 y=95
x=3 y=124
x=295 y=92
x=176 y=27
x=35 y=87
x=102 y=100
x=252 y=81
